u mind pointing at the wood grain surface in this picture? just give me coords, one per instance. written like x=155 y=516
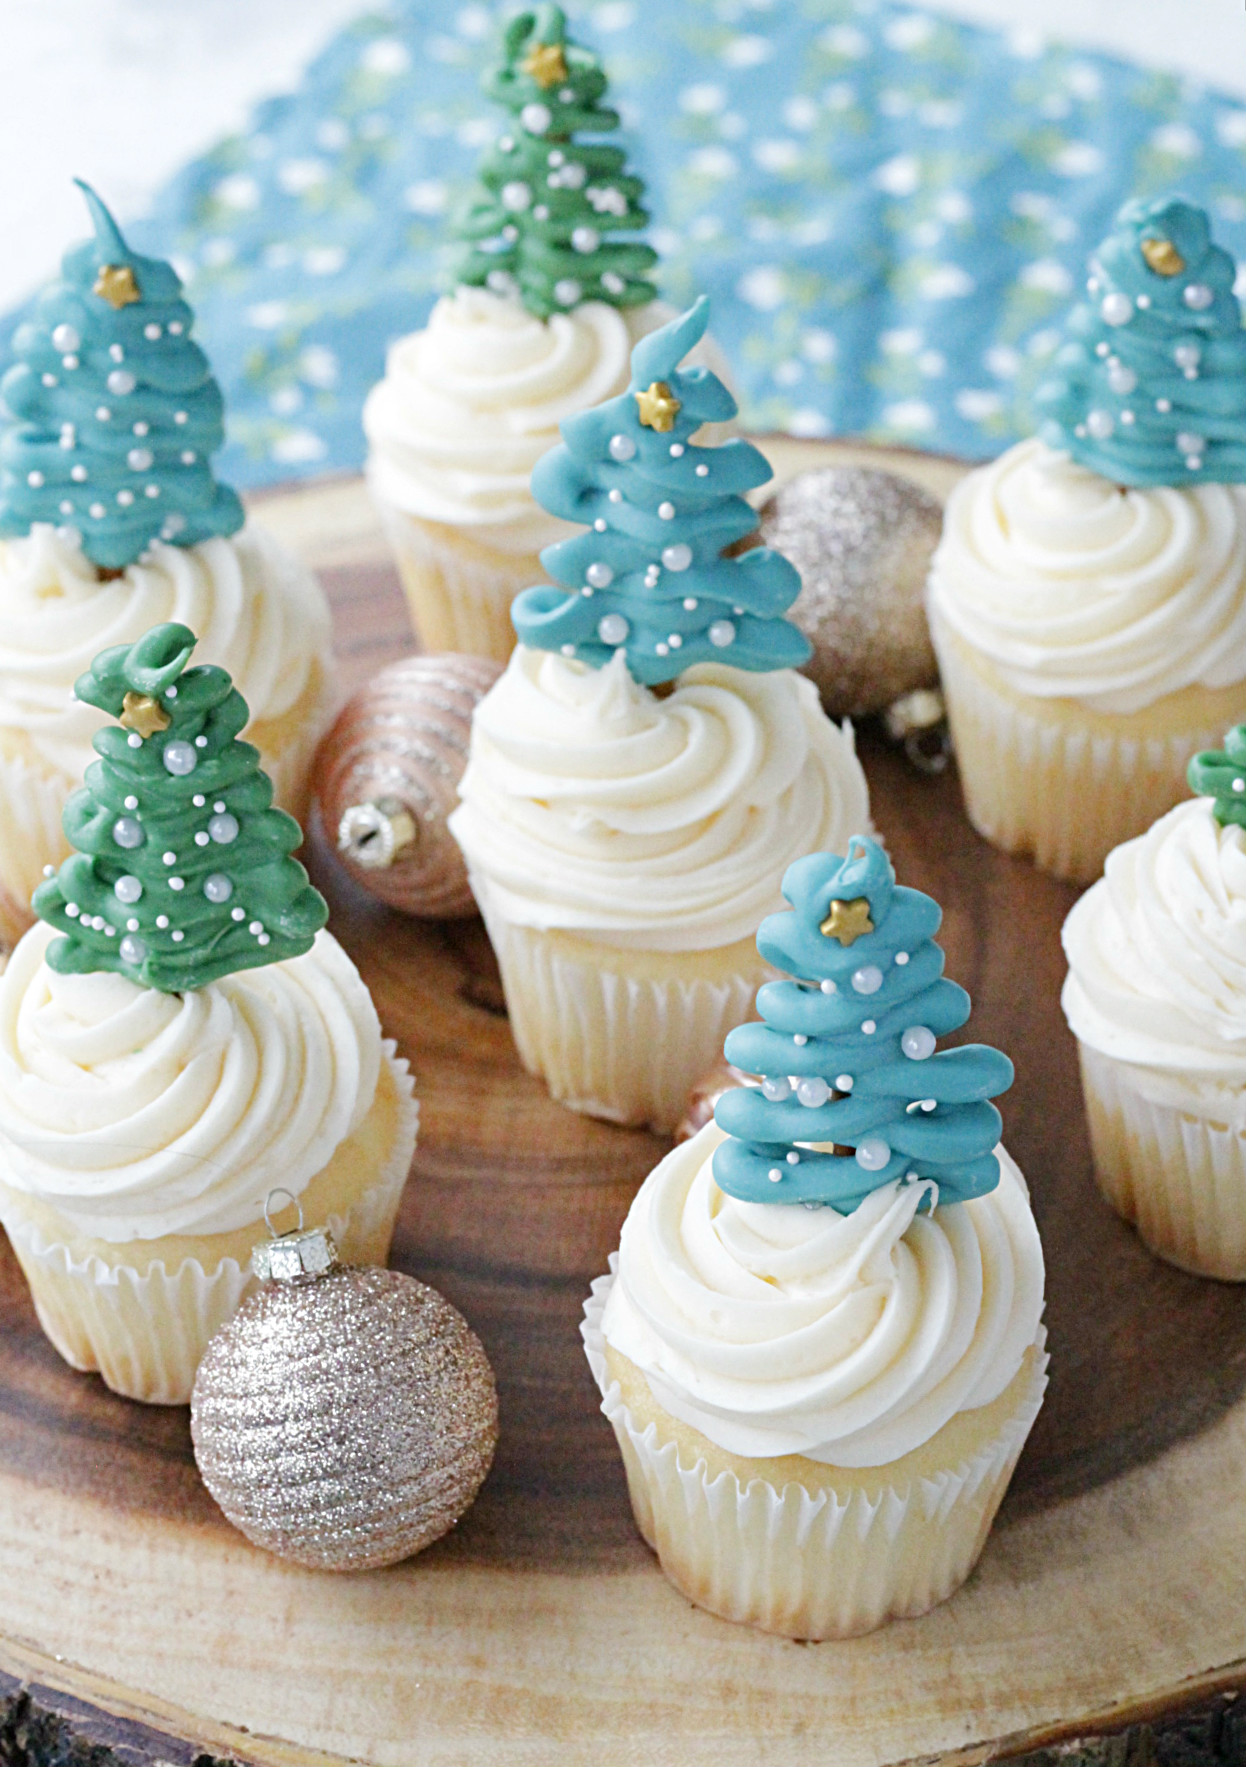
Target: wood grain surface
x=541 y=1631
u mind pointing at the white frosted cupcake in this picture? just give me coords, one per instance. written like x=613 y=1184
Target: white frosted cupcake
x=1090 y=640
x=467 y=408
x=179 y=1039
x=1088 y=601
x=1156 y=996
x=111 y=521
x=820 y=1346
x=630 y=805
x=622 y=849
x=262 y=616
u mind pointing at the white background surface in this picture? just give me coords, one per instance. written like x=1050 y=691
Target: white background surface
x=125 y=91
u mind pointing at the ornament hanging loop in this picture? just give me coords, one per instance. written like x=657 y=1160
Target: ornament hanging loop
x=297 y=1256
x=280 y=1190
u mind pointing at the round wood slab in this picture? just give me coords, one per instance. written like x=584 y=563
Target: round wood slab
x=541 y=1633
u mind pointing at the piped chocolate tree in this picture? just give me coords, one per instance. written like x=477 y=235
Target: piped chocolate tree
x=854 y=1093
x=652 y=576
x=183 y=870
x=1150 y=388
x=114 y=411
x=538 y=224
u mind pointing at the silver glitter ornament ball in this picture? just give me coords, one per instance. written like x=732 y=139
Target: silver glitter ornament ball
x=386 y=777
x=345 y=1417
x=862 y=541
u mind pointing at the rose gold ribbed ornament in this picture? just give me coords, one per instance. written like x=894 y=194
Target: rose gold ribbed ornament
x=344 y=1417
x=386 y=777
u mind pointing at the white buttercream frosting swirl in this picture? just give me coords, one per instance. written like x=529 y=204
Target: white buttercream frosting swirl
x=1074 y=587
x=849 y=1339
x=255 y=609
x=469 y=404
x=1157 y=960
x=591 y=804
x=138 y=1114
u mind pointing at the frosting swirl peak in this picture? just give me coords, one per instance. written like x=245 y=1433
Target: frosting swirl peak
x=1074 y=588
x=591 y=805
x=850 y=1339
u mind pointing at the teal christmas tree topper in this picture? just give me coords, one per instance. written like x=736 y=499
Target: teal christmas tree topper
x=650 y=577
x=183 y=870
x=1150 y=387
x=538 y=223
x=113 y=411
x=1221 y=774
x=847 y=1050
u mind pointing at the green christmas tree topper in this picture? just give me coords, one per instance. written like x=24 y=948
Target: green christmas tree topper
x=537 y=223
x=183 y=870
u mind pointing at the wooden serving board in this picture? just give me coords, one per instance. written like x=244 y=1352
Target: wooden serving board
x=541 y=1633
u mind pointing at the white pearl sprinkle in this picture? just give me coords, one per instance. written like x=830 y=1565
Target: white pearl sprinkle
x=677 y=449
x=237 y=914
x=666 y=512
x=135 y=740
x=844 y=1082
x=177 y=883
x=690 y=604
x=703 y=472
x=162 y=921
x=869 y=1027
x=616 y=496
x=799 y=1038
x=902 y=958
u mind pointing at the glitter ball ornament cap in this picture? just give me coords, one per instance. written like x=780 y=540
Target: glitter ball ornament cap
x=183 y=870
x=1150 y=388
x=115 y=411
x=650 y=578
x=345 y=1417
x=853 y=1095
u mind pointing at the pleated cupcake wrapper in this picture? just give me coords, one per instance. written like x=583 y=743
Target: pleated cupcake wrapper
x=1179 y=1177
x=32 y=799
x=1037 y=782
x=459 y=591
x=146 y=1332
x=798 y=1564
x=628 y=1048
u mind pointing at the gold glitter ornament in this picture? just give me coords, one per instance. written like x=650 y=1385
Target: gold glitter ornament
x=387 y=775
x=344 y=1417
x=862 y=540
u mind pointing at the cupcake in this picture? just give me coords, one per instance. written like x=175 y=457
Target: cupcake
x=544 y=313
x=819 y=1408
x=1156 y=997
x=1088 y=598
x=649 y=763
x=179 y=1038
x=111 y=522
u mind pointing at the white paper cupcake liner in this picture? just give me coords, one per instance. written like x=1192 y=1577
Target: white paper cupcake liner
x=1036 y=781
x=459 y=589
x=628 y=1048
x=145 y=1332
x=806 y=1566
x=1180 y=1178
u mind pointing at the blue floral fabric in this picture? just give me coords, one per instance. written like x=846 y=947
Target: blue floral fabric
x=890 y=209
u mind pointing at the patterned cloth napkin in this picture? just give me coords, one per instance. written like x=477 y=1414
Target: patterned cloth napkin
x=890 y=209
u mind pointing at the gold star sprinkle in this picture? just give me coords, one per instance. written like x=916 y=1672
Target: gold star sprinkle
x=139 y=711
x=658 y=407
x=1162 y=256
x=546 y=63
x=848 y=921
x=116 y=285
